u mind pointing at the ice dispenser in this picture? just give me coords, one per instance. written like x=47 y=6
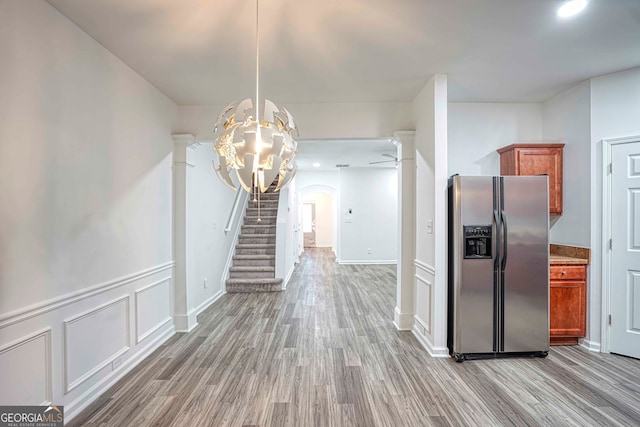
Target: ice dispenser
x=477 y=241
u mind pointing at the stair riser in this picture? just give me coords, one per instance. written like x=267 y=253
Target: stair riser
x=254 y=221
x=253 y=288
x=252 y=251
x=263 y=212
x=263 y=202
x=251 y=275
x=267 y=239
x=258 y=230
x=254 y=262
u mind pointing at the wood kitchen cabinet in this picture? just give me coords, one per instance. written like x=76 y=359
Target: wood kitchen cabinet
x=536 y=159
x=567 y=303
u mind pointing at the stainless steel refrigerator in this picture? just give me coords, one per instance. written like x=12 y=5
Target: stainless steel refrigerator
x=498 y=278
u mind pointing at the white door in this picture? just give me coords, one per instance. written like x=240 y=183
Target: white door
x=625 y=252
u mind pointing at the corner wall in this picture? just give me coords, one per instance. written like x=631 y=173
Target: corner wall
x=85 y=212
x=615 y=109
x=430 y=115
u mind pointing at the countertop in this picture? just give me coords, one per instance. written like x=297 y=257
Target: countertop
x=562 y=254
x=561 y=259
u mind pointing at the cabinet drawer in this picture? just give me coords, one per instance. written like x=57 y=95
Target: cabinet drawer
x=560 y=272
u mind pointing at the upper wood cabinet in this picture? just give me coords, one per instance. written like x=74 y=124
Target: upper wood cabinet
x=536 y=159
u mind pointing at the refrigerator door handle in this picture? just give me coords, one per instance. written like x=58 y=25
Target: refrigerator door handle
x=496 y=238
x=503 y=219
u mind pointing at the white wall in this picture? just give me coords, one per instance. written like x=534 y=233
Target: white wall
x=209 y=205
x=363 y=190
x=369 y=233
x=287 y=233
x=477 y=130
x=323 y=120
x=615 y=112
x=307 y=178
x=430 y=115
x=566 y=118
x=85 y=211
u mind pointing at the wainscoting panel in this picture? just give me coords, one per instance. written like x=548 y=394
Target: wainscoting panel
x=25 y=367
x=152 y=308
x=424 y=294
x=104 y=331
x=70 y=349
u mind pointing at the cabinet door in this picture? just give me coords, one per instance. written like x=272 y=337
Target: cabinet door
x=567 y=301
x=539 y=161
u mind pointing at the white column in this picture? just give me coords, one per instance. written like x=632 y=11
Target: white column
x=184 y=317
x=404 y=311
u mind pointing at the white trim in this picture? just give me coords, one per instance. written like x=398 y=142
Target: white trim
x=591 y=346
x=48 y=368
x=232 y=247
x=604 y=345
x=70 y=385
x=369 y=261
x=141 y=337
x=186 y=322
x=424 y=266
x=72 y=297
x=429 y=285
x=402 y=321
x=85 y=399
x=185 y=138
x=285 y=282
x=215 y=297
x=439 y=352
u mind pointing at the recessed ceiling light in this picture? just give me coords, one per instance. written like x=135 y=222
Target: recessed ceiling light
x=571 y=8
x=316 y=165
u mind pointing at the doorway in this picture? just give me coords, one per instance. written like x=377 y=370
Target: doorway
x=309 y=224
x=623 y=260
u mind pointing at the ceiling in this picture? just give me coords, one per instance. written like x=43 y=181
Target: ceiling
x=202 y=51
x=357 y=153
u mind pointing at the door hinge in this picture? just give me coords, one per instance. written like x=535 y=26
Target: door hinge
x=610 y=168
x=610 y=243
x=609 y=319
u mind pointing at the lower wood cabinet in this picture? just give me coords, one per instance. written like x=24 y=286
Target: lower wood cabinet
x=567 y=303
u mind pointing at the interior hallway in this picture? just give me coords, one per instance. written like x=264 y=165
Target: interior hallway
x=325 y=352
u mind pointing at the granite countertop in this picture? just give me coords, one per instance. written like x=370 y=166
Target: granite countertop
x=561 y=254
x=560 y=259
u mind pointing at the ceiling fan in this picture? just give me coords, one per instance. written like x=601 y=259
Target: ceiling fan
x=395 y=159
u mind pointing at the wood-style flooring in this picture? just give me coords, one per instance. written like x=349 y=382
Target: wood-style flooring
x=325 y=353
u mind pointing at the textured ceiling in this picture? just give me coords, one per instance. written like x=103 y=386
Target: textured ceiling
x=202 y=52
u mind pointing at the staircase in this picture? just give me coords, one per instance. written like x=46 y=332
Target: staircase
x=254 y=263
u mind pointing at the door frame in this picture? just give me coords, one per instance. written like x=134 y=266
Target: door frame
x=313 y=223
x=607 y=146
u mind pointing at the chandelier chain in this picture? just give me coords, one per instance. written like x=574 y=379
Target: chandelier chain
x=257 y=61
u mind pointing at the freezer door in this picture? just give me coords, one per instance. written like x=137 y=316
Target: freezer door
x=525 y=299
x=474 y=329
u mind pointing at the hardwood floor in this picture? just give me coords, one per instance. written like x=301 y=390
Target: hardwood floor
x=325 y=353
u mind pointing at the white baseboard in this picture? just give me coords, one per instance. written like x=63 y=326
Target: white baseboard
x=591 y=346
x=215 y=297
x=368 y=261
x=285 y=282
x=402 y=321
x=82 y=402
x=431 y=349
x=186 y=322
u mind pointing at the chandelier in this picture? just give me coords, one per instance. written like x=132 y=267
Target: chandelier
x=255 y=149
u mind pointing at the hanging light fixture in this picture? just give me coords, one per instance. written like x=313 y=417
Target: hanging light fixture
x=258 y=149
